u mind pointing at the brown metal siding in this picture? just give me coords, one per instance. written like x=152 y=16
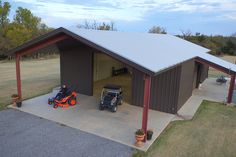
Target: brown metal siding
x=137 y=87
x=204 y=72
x=76 y=61
x=169 y=89
x=195 y=76
x=165 y=90
x=187 y=79
x=200 y=74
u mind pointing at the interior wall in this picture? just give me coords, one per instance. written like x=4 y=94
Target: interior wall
x=76 y=61
x=103 y=75
x=102 y=66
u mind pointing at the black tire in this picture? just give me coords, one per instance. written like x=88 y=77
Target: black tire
x=114 y=109
x=121 y=102
x=49 y=102
x=70 y=99
x=100 y=107
x=55 y=106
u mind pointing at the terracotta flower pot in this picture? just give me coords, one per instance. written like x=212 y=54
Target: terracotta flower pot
x=14 y=100
x=139 y=140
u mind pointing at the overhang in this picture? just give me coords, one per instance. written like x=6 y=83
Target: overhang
x=149 y=53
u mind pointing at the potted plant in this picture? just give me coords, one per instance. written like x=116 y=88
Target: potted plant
x=15 y=99
x=139 y=136
x=149 y=134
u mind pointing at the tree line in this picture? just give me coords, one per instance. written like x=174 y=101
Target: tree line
x=25 y=26
x=218 y=44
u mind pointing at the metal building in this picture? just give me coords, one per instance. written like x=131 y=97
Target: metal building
x=165 y=69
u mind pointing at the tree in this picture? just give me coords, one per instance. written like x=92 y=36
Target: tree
x=97 y=26
x=24 y=27
x=233 y=35
x=25 y=18
x=186 y=34
x=200 y=37
x=157 y=30
x=18 y=34
x=229 y=47
x=4 y=13
x=107 y=26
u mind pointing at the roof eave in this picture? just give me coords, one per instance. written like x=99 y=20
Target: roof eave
x=83 y=40
x=35 y=41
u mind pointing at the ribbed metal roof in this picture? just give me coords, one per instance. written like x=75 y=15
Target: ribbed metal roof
x=155 y=52
x=150 y=53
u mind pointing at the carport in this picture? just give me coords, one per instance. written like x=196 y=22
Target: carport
x=63 y=36
x=77 y=49
x=223 y=69
x=85 y=116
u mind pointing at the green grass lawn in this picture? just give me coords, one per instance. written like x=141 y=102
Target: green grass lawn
x=38 y=77
x=211 y=133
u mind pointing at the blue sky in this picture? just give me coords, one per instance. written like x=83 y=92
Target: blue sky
x=205 y=16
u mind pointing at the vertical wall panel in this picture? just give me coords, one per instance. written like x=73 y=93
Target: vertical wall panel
x=204 y=72
x=137 y=87
x=165 y=89
x=187 y=79
x=76 y=61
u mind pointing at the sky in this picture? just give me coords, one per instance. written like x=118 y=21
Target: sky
x=216 y=17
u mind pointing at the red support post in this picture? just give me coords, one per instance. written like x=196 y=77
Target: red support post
x=231 y=88
x=18 y=79
x=146 y=101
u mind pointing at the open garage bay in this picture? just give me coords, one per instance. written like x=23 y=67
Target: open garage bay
x=119 y=126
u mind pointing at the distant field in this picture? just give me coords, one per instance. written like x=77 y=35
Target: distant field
x=38 y=77
x=216 y=73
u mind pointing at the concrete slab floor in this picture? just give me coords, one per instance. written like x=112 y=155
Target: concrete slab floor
x=209 y=90
x=119 y=126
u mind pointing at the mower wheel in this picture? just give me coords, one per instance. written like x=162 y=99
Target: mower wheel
x=101 y=107
x=72 y=101
x=114 y=109
x=121 y=102
x=55 y=106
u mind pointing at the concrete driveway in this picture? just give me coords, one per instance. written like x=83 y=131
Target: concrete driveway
x=25 y=135
x=119 y=126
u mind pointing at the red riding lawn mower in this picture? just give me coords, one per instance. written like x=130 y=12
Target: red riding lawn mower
x=64 y=98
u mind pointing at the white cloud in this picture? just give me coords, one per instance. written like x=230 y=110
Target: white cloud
x=128 y=10
x=77 y=11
